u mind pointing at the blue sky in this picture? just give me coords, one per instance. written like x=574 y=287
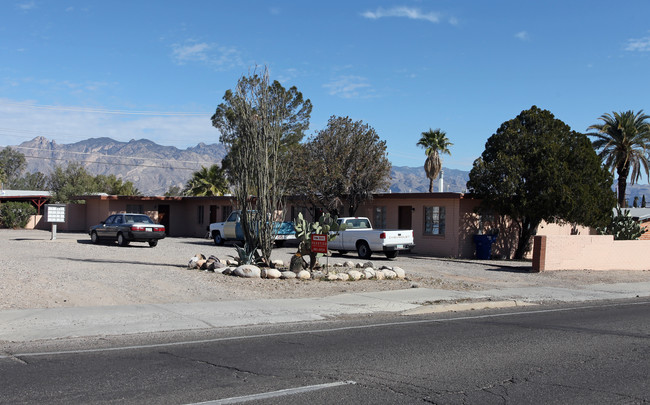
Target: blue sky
x=72 y=70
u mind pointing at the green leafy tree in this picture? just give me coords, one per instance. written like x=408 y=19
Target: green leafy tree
x=259 y=121
x=623 y=142
x=68 y=182
x=207 y=182
x=174 y=191
x=434 y=142
x=343 y=165
x=31 y=181
x=535 y=168
x=113 y=185
x=12 y=165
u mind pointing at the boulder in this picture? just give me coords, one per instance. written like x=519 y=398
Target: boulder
x=216 y=265
x=389 y=274
x=214 y=258
x=271 y=273
x=226 y=271
x=384 y=267
x=317 y=275
x=304 y=275
x=343 y=276
x=288 y=275
x=355 y=275
x=368 y=264
x=379 y=275
x=332 y=276
x=277 y=263
x=359 y=266
x=401 y=274
x=369 y=273
x=349 y=264
x=232 y=262
x=248 y=271
x=338 y=264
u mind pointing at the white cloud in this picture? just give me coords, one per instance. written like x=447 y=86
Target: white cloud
x=403 y=11
x=522 y=35
x=638 y=44
x=28 y=5
x=350 y=87
x=210 y=54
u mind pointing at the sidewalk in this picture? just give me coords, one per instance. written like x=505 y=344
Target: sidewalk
x=56 y=323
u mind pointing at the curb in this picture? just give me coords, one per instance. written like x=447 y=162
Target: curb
x=464 y=306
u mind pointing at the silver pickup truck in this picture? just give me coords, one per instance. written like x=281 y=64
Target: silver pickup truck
x=360 y=236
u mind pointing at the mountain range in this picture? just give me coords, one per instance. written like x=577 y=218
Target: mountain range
x=154 y=168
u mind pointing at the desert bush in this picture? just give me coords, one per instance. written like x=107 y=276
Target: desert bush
x=15 y=214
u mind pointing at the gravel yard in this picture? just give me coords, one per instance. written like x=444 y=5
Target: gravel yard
x=36 y=272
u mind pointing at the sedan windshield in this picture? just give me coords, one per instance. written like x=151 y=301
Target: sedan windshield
x=137 y=218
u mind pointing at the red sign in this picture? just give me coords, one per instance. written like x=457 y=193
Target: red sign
x=318 y=243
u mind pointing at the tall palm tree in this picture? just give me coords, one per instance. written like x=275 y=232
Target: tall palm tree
x=623 y=142
x=207 y=182
x=434 y=142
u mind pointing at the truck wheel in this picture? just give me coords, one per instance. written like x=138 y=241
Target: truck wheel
x=391 y=255
x=121 y=240
x=364 y=250
x=218 y=240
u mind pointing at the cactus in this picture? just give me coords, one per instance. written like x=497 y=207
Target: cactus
x=326 y=225
x=623 y=226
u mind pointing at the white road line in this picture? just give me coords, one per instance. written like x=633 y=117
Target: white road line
x=275 y=394
x=307 y=332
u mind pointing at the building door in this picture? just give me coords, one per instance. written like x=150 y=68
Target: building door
x=213 y=214
x=163 y=217
x=404 y=217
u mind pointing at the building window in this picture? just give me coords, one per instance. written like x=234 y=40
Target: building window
x=434 y=220
x=379 y=219
x=135 y=208
x=225 y=213
x=201 y=214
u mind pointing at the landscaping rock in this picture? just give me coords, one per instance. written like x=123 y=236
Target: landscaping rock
x=304 y=275
x=343 y=276
x=349 y=264
x=248 y=271
x=317 y=275
x=277 y=263
x=389 y=274
x=368 y=264
x=332 y=276
x=380 y=275
x=369 y=273
x=271 y=273
x=288 y=275
x=355 y=275
x=401 y=274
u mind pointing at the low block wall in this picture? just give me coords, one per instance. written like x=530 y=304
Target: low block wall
x=589 y=252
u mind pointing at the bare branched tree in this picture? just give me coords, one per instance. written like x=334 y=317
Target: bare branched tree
x=257 y=122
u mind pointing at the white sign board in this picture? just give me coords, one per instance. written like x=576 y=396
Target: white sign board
x=55 y=212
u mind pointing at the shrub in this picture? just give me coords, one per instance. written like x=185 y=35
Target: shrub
x=16 y=214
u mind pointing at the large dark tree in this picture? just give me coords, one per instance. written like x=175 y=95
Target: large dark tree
x=344 y=164
x=623 y=142
x=259 y=121
x=534 y=169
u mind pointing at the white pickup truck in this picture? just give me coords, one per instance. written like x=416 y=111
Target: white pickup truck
x=359 y=235
x=231 y=230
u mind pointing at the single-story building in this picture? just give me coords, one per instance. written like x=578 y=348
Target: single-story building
x=443 y=224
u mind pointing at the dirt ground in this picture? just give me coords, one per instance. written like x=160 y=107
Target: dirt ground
x=37 y=272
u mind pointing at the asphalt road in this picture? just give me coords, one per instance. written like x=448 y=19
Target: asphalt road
x=589 y=354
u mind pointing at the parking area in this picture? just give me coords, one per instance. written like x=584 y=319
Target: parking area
x=37 y=272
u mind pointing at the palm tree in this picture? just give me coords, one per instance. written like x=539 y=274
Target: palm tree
x=623 y=142
x=434 y=142
x=207 y=182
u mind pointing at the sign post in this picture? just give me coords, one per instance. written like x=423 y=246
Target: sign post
x=54 y=213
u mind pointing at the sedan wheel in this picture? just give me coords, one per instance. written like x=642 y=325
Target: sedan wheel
x=153 y=243
x=121 y=240
x=94 y=238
